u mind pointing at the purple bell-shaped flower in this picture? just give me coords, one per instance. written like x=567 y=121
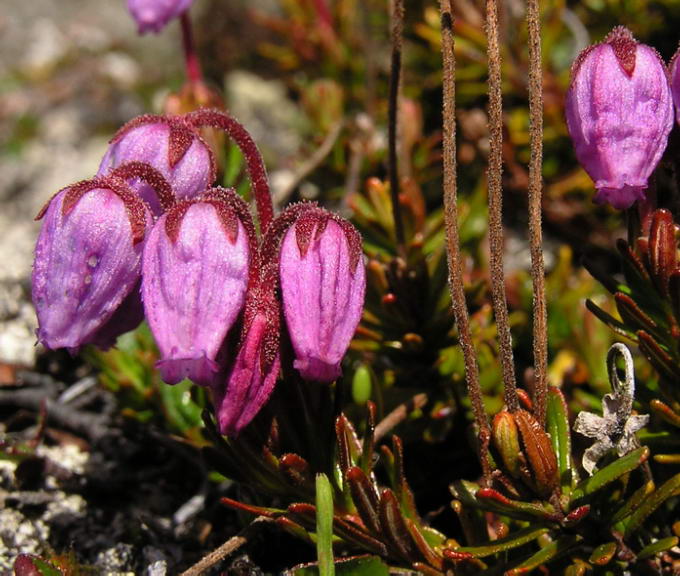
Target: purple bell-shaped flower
x=323 y=282
x=172 y=146
x=153 y=15
x=194 y=279
x=87 y=264
x=252 y=377
x=675 y=83
x=619 y=114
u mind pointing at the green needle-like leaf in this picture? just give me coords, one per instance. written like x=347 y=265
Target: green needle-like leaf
x=667 y=490
x=609 y=474
x=550 y=552
x=603 y=554
x=657 y=547
x=557 y=421
x=515 y=540
x=324 y=525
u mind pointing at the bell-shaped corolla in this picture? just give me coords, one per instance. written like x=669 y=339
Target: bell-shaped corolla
x=675 y=83
x=87 y=264
x=195 y=274
x=154 y=15
x=323 y=282
x=170 y=145
x=252 y=377
x=619 y=113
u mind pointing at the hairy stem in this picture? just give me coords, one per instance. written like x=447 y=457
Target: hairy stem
x=393 y=113
x=495 y=187
x=535 y=190
x=192 y=65
x=454 y=258
x=255 y=165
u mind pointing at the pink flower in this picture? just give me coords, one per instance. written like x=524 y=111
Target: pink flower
x=169 y=144
x=194 y=282
x=252 y=377
x=87 y=264
x=153 y=15
x=675 y=83
x=619 y=114
x=323 y=282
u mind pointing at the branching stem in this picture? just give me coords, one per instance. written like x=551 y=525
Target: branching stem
x=454 y=258
x=495 y=187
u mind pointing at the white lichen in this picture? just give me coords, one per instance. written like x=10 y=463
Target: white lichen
x=616 y=428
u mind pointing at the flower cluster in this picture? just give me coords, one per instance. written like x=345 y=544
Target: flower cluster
x=619 y=111
x=149 y=237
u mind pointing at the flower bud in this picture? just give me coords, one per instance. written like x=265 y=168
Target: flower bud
x=619 y=114
x=506 y=440
x=87 y=264
x=543 y=474
x=194 y=281
x=323 y=282
x=171 y=146
x=252 y=377
x=153 y=15
x=675 y=83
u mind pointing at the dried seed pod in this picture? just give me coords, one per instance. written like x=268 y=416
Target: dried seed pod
x=539 y=453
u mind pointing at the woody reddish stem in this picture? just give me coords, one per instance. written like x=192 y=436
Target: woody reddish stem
x=540 y=316
x=192 y=64
x=393 y=114
x=454 y=257
x=494 y=173
x=150 y=176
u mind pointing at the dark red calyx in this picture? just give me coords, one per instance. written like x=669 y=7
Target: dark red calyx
x=354 y=242
x=625 y=46
x=312 y=223
x=135 y=207
x=240 y=208
x=181 y=136
x=228 y=218
x=136 y=122
x=151 y=176
x=309 y=226
x=230 y=208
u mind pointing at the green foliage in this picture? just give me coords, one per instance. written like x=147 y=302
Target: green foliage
x=128 y=370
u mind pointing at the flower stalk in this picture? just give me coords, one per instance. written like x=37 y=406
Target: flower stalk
x=495 y=189
x=192 y=64
x=540 y=314
x=454 y=257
